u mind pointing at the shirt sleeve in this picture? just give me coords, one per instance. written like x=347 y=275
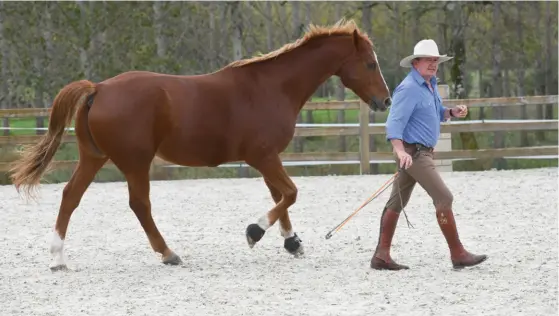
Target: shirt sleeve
x=403 y=104
x=442 y=108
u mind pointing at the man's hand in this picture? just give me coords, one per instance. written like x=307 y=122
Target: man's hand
x=460 y=111
x=405 y=159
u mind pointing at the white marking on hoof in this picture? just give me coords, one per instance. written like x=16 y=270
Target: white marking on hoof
x=57 y=251
x=264 y=222
x=286 y=234
x=250 y=242
x=254 y=231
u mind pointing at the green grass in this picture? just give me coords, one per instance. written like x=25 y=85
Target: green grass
x=310 y=144
x=24 y=122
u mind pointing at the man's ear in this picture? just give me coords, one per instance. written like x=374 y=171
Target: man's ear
x=356 y=40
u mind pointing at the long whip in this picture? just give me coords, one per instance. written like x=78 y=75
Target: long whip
x=372 y=197
x=385 y=186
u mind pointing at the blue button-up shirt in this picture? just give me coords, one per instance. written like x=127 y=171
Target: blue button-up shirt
x=416 y=112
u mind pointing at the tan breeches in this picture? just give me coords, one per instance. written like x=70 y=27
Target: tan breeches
x=422 y=171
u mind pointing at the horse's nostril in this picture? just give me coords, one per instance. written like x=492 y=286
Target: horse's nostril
x=388 y=101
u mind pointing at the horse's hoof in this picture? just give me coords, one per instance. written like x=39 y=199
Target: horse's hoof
x=173 y=259
x=253 y=234
x=58 y=267
x=294 y=245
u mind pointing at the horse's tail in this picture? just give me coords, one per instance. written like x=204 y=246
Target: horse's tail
x=26 y=172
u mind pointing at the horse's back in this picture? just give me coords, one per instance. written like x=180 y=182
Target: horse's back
x=183 y=118
x=189 y=120
x=208 y=121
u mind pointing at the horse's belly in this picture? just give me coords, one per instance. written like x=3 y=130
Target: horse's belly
x=197 y=152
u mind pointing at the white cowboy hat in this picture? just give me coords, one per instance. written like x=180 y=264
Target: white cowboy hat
x=424 y=48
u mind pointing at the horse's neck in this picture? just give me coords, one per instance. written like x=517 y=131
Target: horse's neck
x=305 y=68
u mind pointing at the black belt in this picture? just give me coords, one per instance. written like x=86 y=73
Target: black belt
x=420 y=147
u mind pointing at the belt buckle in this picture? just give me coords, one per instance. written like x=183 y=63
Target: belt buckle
x=420 y=147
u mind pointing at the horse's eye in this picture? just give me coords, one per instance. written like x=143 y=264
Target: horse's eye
x=372 y=66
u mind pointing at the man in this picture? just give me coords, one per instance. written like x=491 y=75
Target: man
x=413 y=128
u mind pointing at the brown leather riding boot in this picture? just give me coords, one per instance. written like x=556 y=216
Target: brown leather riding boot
x=381 y=259
x=459 y=256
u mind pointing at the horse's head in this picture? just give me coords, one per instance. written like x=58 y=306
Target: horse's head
x=361 y=73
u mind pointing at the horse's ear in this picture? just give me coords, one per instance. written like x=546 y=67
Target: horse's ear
x=356 y=39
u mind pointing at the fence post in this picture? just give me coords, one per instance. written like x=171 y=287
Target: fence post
x=6 y=123
x=40 y=123
x=445 y=139
x=364 y=151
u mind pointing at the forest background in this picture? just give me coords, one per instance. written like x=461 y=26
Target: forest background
x=500 y=48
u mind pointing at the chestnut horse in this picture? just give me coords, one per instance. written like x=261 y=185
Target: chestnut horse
x=246 y=111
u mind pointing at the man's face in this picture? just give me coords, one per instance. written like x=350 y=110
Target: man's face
x=427 y=66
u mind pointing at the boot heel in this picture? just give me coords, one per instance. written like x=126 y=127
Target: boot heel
x=388 y=222
x=460 y=257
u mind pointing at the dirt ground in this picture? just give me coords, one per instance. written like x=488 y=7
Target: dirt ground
x=509 y=215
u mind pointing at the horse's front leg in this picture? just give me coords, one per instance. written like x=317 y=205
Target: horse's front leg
x=284 y=193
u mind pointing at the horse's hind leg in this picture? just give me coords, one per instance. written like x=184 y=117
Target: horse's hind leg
x=284 y=192
x=82 y=177
x=138 y=189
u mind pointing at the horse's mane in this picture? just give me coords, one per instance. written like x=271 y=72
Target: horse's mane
x=342 y=27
